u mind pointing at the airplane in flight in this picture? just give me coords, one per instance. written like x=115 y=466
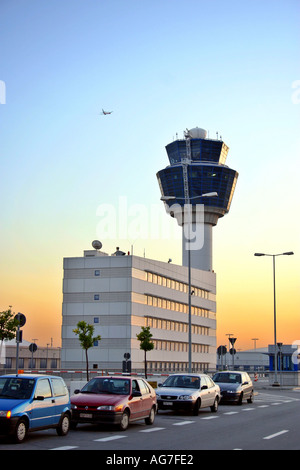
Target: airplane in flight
x=106 y=112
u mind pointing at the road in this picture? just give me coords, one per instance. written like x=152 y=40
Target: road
x=271 y=422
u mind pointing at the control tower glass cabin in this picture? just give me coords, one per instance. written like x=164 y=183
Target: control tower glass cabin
x=197 y=167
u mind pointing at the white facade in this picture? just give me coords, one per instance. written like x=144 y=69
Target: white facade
x=120 y=294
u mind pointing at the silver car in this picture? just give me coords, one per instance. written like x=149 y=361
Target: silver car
x=188 y=392
x=235 y=386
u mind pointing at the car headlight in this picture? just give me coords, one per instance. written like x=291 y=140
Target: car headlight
x=110 y=408
x=186 y=397
x=5 y=414
x=106 y=407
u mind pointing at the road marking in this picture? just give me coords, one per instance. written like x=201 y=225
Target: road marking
x=110 y=438
x=248 y=409
x=274 y=404
x=211 y=417
x=182 y=423
x=263 y=406
x=152 y=430
x=64 y=448
x=231 y=413
x=276 y=434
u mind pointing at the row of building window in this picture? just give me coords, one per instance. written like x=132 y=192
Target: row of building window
x=155 y=366
x=163 y=345
x=176 y=306
x=170 y=283
x=175 y=326
x=31 y=363
x=176 y=285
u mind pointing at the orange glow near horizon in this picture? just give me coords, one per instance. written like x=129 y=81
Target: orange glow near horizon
x=244 y=302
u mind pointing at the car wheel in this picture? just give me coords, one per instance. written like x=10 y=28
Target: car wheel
x=240 y=400
x=20 y=431
x=124 y=423
x=196 y=408
x=214 y=408
x=250 y=399
x=151 y=417
x=64 y=425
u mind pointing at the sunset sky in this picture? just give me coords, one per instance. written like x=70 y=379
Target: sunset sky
x=161 y=66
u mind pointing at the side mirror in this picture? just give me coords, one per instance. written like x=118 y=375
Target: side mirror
x=204 y=387
x=76 y=391
x=136 y=393
x=40 y=398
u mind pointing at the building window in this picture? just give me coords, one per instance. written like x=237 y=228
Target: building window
x=97 y=272
x=43 y=363
x=96 y=296
x=96 y=319
x=32 y=363
x=53 y=363
x=96 y=343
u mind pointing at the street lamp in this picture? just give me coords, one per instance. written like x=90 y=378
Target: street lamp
x=172 y=198
x=288 y=253
x=187 y=201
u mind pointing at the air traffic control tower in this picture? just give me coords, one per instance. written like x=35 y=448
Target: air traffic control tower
x=197 y=186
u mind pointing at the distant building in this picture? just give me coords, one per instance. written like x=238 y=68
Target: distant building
x=249 y=360
x=44 y=358
x=288 y=357
x=120 y=294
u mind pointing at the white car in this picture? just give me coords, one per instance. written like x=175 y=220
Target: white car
x=188 y=392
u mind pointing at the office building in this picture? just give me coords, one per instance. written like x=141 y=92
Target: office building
x=119 y=294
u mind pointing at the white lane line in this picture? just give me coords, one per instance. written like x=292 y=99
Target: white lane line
x=64 y=448
x=248 y=409
x=183 y=423
x=211 y=417
x=231 y=413
x=110 y=438
x=152 y=430
x=276 y=434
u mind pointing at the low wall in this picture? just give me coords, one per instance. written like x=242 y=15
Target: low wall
x=285 y=378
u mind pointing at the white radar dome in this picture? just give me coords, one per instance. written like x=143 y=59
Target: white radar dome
x=198 y=133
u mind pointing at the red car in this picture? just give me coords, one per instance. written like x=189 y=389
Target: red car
x=115 y=400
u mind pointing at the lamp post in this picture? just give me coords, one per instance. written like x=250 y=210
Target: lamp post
x=274 y=297
x=187 y=201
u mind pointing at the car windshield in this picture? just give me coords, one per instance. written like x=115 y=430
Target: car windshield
x=105 y=385
x=182 y=381
x=16 y=387
x=227 y=378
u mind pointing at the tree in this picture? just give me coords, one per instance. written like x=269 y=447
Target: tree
x=8 y=325
x=145 y=343
x=85 y=335
x=8 y=328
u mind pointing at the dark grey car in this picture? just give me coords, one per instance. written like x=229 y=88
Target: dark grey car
x=235 y=386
